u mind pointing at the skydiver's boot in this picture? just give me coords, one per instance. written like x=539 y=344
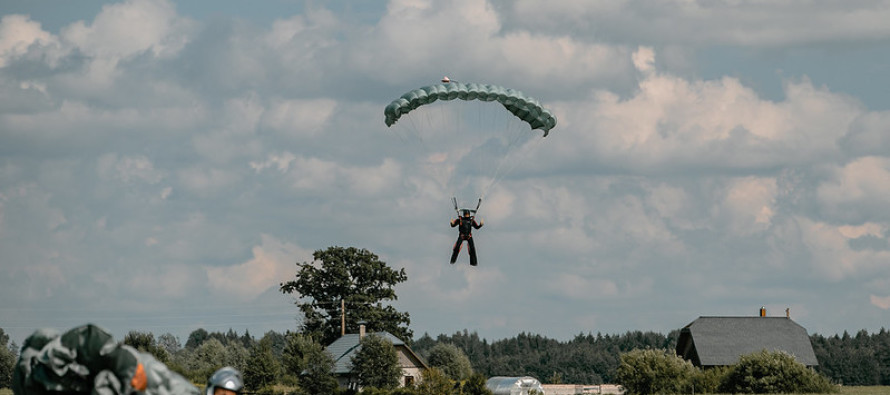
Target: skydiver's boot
x=471 y=248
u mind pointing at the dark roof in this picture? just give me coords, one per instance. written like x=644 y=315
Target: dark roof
x=720 y=341
x=346 y=346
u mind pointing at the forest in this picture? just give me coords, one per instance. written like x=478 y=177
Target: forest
x=860 y=359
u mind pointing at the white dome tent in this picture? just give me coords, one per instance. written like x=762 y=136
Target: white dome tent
x=525 y=385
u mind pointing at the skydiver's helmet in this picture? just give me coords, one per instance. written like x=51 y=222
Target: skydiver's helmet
x=226 y=381
x=466 y=213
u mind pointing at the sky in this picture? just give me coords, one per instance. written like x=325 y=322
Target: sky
x=165 y=164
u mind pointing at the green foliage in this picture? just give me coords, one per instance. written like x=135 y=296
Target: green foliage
x=7 y=360
x=355 y=276
x=197 y=338
x=708 y=380
x=262 y=367
x=205 y=359
x=376 y=364
x=145 y=342
x=308 y=360
x=435 y=382
x=169 y=342
x=451 y=361
x=475 y=385
x=770 y=372
x=653 y=371
x=863 y=359
x=588 y=359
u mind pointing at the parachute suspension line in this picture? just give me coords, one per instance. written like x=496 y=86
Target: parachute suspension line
x=499 y=174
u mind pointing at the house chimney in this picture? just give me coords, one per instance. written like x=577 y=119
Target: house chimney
x=763 y=311
x=361 y=330
x=787 y=312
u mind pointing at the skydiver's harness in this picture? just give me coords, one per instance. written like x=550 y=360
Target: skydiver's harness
x=465 y=224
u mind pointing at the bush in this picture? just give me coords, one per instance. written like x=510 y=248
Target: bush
x=435 y=382
x=451 y=360
x=475 y=385
x=773 y=372
x=708 y=381
x=654 y=371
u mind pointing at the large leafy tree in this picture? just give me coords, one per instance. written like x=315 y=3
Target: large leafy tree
x=376 y=364
x=358 y=279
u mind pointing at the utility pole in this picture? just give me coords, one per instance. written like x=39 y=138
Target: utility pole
x=342 y=317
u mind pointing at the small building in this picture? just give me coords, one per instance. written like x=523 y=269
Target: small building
x=500 y=385
x=720 y=341
x=344 y=348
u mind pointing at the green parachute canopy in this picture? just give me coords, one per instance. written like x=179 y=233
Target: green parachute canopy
x=523 y=107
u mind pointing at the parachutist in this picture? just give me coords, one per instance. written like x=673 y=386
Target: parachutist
x=465 y=223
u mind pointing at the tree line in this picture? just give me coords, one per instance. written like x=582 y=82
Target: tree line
x=279 y=358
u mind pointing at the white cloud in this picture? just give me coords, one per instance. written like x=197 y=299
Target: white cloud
x=310 y=174
x=882 y=302
x=132 y=27
x=672 y=124
x=281 y=162
x=17 y=34
x=128 y=169
x=301 y=117
x=206 y=179
x=858 y=190
x=749 y=204
x=749 y=23
x=464 y=36
x=644 y=59
x=832 y=256
x=272 y=263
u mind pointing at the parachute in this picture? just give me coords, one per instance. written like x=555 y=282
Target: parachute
x=468 y=136
x=86 y=359
x=523 y=107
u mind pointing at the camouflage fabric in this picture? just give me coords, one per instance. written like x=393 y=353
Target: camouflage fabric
x=86 y=360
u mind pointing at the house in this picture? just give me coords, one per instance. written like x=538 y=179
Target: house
x=344 y=348
x=720 y=341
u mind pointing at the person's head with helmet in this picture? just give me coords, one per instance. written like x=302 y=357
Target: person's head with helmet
x=226 y=381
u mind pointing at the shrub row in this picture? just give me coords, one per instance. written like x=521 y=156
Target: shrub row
x=655 y=371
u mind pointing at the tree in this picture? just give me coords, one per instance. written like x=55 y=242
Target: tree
x=205 y=359
x=169 y=342
x=376 y=364
x=145 y=342
x=451 y=361
x=435 y=382
x=654 y=371
x=475 y=385
x=355 y=277
x=263 y=367
x=307 y=359
x=773 y=372
x=7 y=360
x=196 y=338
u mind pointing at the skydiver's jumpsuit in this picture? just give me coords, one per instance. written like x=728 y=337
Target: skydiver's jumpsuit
x=466 y=225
